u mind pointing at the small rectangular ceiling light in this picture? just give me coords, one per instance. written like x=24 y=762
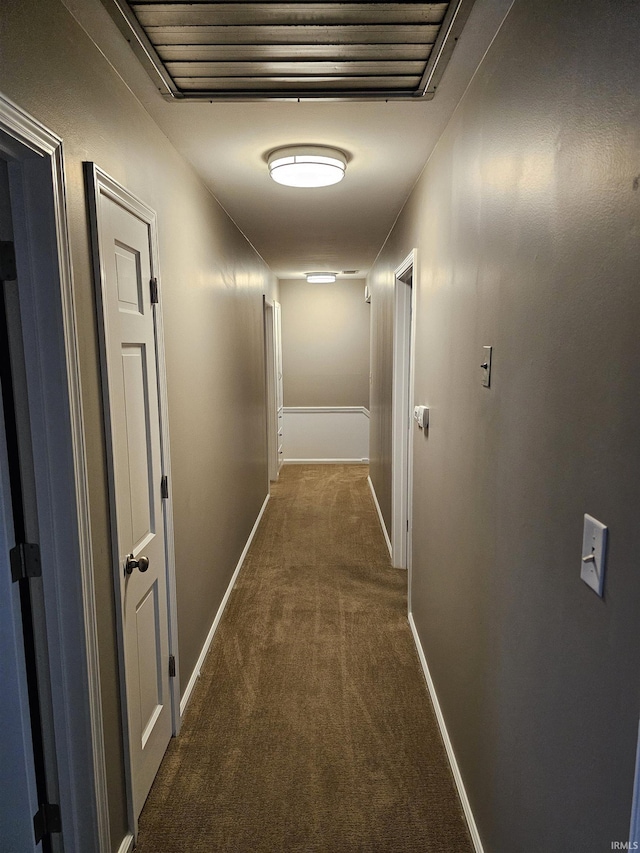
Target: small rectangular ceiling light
x=321 y=277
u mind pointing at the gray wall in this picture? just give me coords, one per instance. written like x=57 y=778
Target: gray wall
x=527 y=223
x=212 y=284
x=325 y=343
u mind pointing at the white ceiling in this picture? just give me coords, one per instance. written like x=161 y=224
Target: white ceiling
x=297 y=230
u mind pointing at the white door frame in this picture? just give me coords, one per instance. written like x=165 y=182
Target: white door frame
x=99 y=183
x=402 y=402
x=50 y=340
x=277 y=347
x=271 y=380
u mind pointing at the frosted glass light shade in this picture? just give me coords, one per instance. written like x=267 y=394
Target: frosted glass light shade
x=321 y=277
x=307 y=165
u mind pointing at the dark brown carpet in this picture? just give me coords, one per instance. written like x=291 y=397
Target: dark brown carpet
x=310 y=728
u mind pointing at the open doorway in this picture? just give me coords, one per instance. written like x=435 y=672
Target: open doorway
x=29 y=774
x=403 y=349
x=53 y=770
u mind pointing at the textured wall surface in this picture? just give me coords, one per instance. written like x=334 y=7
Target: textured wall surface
x=527 y=223
x=325 y=343
x=212 y=284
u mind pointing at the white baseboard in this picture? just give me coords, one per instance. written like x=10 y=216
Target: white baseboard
x=326 y=461
x=380 y=518
x=466 y=806
x=127 y=844
x=323 y=410
x=207 y=643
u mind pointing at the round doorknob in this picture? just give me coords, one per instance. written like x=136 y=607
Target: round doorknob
x=131 y=563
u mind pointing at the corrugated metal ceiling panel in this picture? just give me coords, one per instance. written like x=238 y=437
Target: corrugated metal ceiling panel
x=303 y=50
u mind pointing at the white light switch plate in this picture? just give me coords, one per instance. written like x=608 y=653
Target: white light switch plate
x=594 y=548
x=485 y=366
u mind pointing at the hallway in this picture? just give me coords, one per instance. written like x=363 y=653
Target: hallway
x=485 y=248
x=310 y=728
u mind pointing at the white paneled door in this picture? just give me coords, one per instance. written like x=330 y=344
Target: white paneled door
x=134 y=420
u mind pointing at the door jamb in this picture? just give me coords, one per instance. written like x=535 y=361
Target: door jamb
x=403 y=380
x=52 y=363
x=272 y=406
x=100 y=183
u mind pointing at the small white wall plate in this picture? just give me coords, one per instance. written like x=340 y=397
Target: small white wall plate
x=594 y=546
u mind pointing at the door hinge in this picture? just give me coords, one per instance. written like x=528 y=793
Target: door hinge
x=8 y=270
x=46 y=821
x=164 y=487
x=172 y=666
x=407 y=525
x=25 y=561
x=153 y=285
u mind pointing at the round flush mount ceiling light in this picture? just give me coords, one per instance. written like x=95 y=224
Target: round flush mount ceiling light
x=307 y=165
x=321 y=277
